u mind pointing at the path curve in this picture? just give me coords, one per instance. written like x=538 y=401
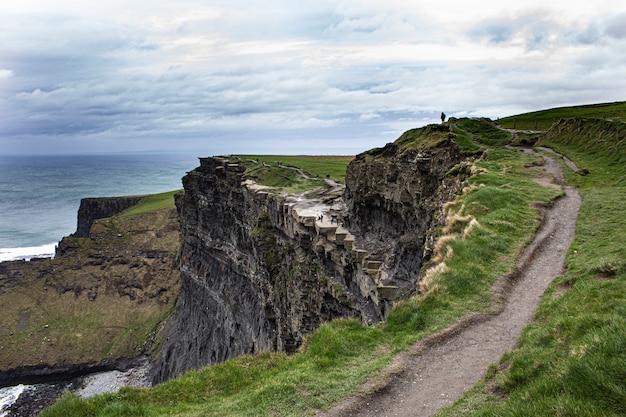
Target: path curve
x=437 y=371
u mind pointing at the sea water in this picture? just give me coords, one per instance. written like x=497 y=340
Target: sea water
x=40 y=195
x=8 y=396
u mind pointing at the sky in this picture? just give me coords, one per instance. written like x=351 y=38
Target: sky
x=290 y=77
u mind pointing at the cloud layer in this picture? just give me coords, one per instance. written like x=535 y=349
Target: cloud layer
x=285 y=77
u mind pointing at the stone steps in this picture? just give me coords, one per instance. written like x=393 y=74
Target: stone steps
x=336 y=236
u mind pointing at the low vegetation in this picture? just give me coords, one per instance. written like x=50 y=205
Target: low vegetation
x=422 y=138
x=570 y=362
x=152 y=203
x=474 y=134
x=333 y=167
x=289 y=175
x=104 y=309
x=544 y=119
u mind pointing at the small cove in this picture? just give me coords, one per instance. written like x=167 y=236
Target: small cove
x=42 y=193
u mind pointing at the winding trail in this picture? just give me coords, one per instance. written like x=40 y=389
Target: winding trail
x=437 y=371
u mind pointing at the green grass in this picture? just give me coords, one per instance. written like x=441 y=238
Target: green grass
x=321 y=166
x=572 y=360
x=337 y=358
x=294 y=174
x=422 y=138
x=474 y=133
x=542 y=120
x=569 y=363
x=152 y=203
x=598 y=143
x=85 y=316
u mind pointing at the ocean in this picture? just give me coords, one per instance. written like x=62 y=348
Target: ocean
x=40 y=195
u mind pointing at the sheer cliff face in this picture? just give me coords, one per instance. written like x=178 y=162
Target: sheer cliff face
x=92 y=209
x=256 y=273
x=220 y=310
x=395 y=199
x=260 y=271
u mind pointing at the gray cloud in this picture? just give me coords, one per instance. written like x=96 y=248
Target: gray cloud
x=296 y=78
x=616 y=26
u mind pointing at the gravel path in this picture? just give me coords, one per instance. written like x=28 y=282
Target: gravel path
x=437 y=371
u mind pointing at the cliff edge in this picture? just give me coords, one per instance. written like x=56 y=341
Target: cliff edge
x=98 y=303
x=261 y=268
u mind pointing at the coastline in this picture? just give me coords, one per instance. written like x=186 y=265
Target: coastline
x=38 y=213
x=27 y=253
x=28 y=400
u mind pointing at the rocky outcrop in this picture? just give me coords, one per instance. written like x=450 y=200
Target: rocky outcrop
x=261 y=270
x=100 y=301
x=91 y=209
x=45 y=373
x=257 y=271
x=395 y=196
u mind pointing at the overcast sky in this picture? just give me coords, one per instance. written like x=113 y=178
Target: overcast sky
x=290 y=77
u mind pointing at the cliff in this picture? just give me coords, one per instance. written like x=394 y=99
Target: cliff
x=395 y=196
x=260 y=269
x=98 y=303
x=91 y=209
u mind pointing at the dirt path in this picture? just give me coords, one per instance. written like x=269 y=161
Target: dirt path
x=437 y=371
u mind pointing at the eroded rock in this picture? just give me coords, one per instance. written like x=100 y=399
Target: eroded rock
x=259 y=270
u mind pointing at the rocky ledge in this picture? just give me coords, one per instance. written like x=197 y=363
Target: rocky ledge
x=260 y=269
x=99 y=302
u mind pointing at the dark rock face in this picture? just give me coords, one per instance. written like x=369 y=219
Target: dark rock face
x=395 y=201
x=99 y=208
x=40 y=374
x=256 y=275
x=259 y=271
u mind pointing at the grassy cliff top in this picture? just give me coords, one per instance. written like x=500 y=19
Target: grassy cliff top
x=570 y=361
x=597 y=139
x=322 y=166
x=543 y=119
x=103 y=299
x=151 y=203
x=424 y=138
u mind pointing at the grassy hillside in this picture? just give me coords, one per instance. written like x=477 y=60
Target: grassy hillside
x=572 y=360
x=543 y=119
x=574 y=353
x=152 y=203
x=475 y=134
x=321 y=166
x=111 y=303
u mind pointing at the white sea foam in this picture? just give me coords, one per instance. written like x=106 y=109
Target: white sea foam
x=8 y=396
x=12 y=254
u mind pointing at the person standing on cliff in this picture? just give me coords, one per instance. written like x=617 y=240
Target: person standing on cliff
x=443 y=117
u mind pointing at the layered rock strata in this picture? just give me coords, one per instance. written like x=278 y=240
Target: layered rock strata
x=260 y=270
x=91 y=209
x=395 y=202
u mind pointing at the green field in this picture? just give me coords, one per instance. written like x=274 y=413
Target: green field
x=543 y=119
x=321 y=166
x=152 y=203
x=571 y=362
